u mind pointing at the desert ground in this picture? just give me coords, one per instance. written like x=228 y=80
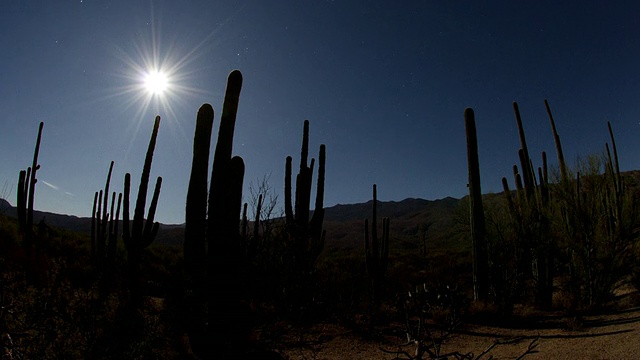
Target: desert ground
x=612 y=333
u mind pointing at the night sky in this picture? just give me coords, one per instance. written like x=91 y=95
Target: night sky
x=383 y=83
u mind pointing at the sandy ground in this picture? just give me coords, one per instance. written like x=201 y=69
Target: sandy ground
x=610 y=335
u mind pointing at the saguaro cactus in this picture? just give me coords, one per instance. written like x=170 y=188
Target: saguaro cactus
x=478 y=227
x=376 y=252
x=212 y=244
x=308 y=236
x=140 y=234
x=26 y=195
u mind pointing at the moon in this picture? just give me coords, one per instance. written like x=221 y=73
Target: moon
x=156 y=82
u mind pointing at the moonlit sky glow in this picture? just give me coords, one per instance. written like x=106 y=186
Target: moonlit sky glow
x=383 y=83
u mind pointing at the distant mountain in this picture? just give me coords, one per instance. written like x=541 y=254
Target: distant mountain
x=409 y=219
x=443 y=220
x=344 y=223
x=167 y=235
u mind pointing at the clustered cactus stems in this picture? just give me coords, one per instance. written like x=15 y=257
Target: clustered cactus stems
x=140 y=234
x=530 y=215
x=26 y=195
x=478 y=227
x=307 y=235
x=212 y=244
x=104 y=233
x=376 y=252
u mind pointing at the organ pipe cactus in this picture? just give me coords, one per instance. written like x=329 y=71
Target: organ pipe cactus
x=212 y=244
x=376 y=252
x=531 y=218
x=478 y=227
x=104 y=233
x=140 y=233
x=99 y=220
x=307 y=235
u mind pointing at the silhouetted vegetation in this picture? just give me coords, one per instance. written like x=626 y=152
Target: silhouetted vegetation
x=563 y=240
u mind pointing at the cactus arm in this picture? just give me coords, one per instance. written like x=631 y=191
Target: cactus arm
x=103 y=226
x=288 y=206
x=524 y=158
x=22 y=200
x=138 y=215
x=304 y=152
x=112 y=214
x=126 y=235
x=32 y=183
x=224 y=146
x=507 y=196
x=93 y=226
x=113 y=241
x=196 y=204
x=220 y=171
x=556 y=140
x=150 y=231
x=615 y=157
x=315 y=226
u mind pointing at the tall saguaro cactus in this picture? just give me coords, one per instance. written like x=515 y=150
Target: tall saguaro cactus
x=26 y=195
x=140 y=234
x=478 y=227
x=376 y=252
x=307 y=234
x=212 y=244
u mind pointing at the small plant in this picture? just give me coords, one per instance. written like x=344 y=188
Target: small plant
x=433 y=315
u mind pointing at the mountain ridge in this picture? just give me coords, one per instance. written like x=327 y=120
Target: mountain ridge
x=343 y=222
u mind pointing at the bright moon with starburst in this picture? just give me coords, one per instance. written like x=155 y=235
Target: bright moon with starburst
x=156 y=82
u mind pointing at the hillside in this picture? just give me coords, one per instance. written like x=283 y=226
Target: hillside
x=344 y=223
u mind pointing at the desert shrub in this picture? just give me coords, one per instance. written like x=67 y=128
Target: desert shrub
x=431 y=315
x=598 y=222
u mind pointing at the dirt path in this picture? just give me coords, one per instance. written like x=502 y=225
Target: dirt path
x=609 y=336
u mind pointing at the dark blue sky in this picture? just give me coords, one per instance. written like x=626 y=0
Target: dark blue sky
x=384 y=85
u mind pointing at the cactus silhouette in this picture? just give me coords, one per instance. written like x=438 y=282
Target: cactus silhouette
x=307 y=235
x=212 y=238
x=478 y=227
x=376 y=252
x=104 y=234
x=556 y=140
x=26 y=196
x=140 y=234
